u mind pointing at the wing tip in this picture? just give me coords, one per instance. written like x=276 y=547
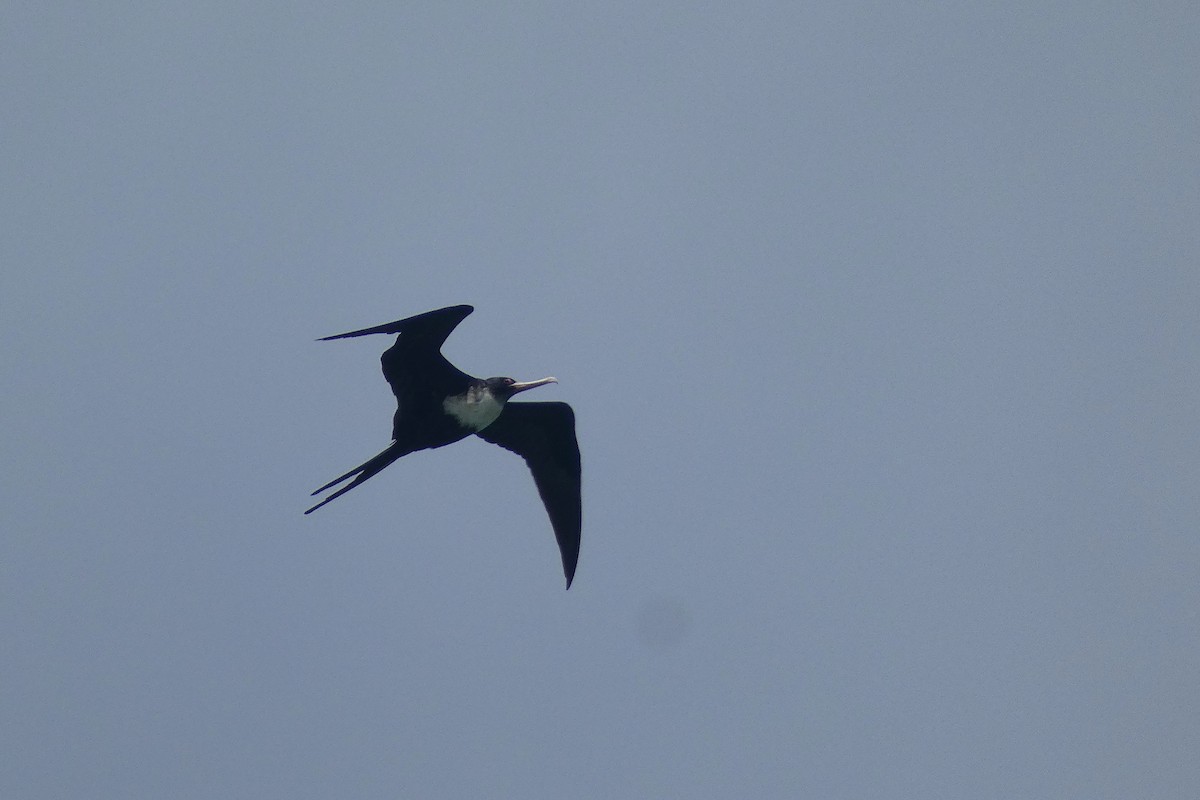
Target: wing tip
x=569 y=569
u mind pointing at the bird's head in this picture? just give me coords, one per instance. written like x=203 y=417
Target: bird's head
x=504 y=388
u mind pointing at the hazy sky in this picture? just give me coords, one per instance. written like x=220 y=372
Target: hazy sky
x=880 y=321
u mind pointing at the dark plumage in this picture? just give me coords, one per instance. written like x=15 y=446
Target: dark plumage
x=438 y=404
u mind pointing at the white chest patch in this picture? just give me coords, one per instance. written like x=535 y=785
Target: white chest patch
x=474 y=410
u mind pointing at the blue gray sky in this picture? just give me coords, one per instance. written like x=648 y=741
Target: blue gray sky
x=880 y=324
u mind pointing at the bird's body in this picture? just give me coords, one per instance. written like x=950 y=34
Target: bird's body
x=475 y=409
x=437 y=404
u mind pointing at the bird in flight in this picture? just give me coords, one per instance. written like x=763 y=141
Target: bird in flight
x=437 y=404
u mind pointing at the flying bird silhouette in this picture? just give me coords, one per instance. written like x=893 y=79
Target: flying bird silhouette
x=438 y=404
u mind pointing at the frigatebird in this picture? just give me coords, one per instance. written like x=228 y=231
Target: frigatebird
x=438 y=404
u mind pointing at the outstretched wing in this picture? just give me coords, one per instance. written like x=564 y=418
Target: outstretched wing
x=544 y=435
x=420 y=376
x=433 y=326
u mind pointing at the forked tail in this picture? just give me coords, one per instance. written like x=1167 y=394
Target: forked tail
x=364 y=471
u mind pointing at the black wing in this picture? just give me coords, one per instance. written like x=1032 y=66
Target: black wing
x=420 y=376
x=432 y=326
x=544 y=435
